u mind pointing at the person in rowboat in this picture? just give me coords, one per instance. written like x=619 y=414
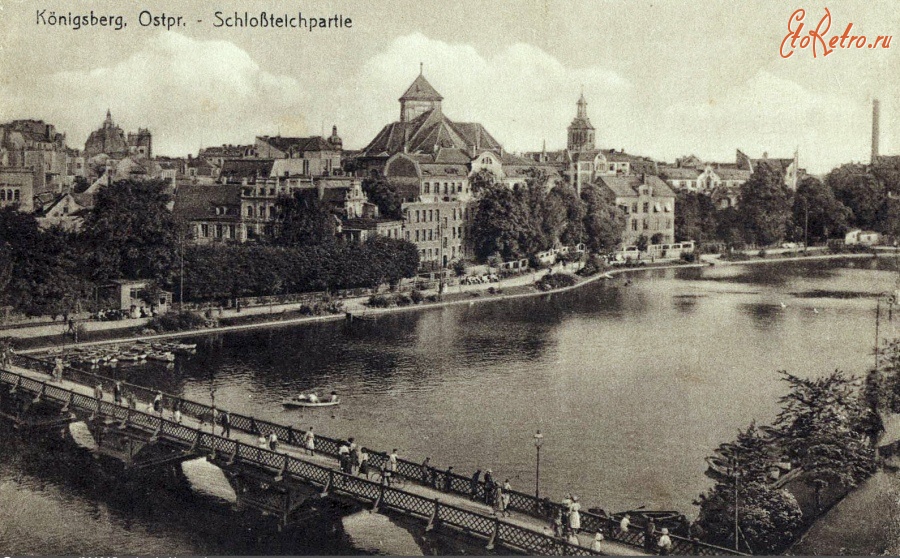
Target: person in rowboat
x=334 y=396
x=313 y=398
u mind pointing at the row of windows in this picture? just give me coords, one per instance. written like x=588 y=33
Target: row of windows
x=221 y=231
x=262 y=211
x=433 y=253
x=9 y=195
x=656 y=223
x=449 y=187
x=432 y=234
x=430 y=215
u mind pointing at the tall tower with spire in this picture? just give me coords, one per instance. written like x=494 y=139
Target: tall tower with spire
x=420 y=97
x=581 y=132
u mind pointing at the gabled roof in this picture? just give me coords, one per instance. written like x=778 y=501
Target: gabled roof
x=680 y=173
x=314 y=143
x=732 y=174
x=197 y=201
x=421 y=90
x=626 y=186
x=237 y=169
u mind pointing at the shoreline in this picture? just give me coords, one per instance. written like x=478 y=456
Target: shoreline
x=375 y=312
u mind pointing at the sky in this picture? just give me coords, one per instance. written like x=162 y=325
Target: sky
x=663 y=78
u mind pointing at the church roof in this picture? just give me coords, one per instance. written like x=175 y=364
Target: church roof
x=421 y=90
x=431 y=133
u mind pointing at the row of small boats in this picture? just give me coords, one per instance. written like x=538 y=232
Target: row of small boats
x=140 y=352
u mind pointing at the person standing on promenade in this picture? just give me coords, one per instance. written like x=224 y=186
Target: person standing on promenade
x=426 y=472
x=353 y=459
x=393 y=461
x=273 y=441
x=473 y=484
x=497 y=498
x=489 y=487
x=664 y=545
x=177 y=414
x=158 y=402
x=650 y=536
x=98 y=391
x=364 y=463
x=58 y=369
x=559 y=529
x=309 y=441
x=344 y=457
x=624 y=524
x=575 y=515
x=117 y=392
x=448 y=479
x=505 y=497
x=226 y=424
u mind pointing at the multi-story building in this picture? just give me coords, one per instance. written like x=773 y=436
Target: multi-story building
x=649 y=206
x=312 y=156
x=36 y=145
x=430 y=158
x=110 y=140
x=17 y=188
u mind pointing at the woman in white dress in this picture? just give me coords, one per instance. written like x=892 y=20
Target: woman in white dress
x=575 y=515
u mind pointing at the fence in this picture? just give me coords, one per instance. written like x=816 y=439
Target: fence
x=452 y=483
x=490 y=528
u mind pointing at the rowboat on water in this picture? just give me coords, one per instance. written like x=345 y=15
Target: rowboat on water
x=303 y=400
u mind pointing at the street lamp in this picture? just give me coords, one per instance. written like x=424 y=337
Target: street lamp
x=538 y=441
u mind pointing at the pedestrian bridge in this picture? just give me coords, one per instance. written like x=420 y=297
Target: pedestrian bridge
x=279 y=482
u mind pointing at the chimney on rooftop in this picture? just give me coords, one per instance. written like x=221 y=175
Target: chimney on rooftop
x=876 y=116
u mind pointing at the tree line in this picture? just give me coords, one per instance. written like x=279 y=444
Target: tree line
x=131 y=233
x=768 y=212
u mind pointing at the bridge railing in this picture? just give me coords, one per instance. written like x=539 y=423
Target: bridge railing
x=473 y=523
x=459 y=484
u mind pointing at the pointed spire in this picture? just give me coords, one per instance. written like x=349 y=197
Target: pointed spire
x=108 y=122
x=421 y=66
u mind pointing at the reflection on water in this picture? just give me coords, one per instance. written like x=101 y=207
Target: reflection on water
x=632 y=386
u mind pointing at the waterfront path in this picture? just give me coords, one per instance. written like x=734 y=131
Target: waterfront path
x=459 y=501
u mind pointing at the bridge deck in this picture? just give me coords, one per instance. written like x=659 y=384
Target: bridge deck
x=517 y=518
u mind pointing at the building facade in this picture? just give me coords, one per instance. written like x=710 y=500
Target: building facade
x=648 y=204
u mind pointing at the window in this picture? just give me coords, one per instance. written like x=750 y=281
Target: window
x=634 y=224
x=218 y=231
x=262 y=211
x=430 y=235
x=430 y=215
x=204 y=230
x=231 y=232
x=427 y=188
x=417 y=235
x=668 y=223
x=646 y=207
x=417 y=216
x=2 y=195
x=249 y=211
x=646 y=224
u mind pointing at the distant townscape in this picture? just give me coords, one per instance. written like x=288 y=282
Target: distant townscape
x=447 y=192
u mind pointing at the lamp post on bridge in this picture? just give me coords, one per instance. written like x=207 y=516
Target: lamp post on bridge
x=538 y=441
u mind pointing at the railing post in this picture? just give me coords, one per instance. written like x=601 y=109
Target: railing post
x=280 y=476
x=196 y=445
x=434 y=516
x=328 y=484
x=126 y=420
x=379 y=499
x=233 y=455
x=37 y=398
x=494 y=535
x=155 y=436
x=17 y=385
x=71 y=400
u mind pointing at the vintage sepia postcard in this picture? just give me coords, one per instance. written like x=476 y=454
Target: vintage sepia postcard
x=418 y=277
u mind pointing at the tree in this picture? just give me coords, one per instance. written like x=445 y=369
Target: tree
x=572 y=231
x=861 y=191
x=823 y=426
x=501 y=225
x=817 y=209
x=642 y=243
x=482 y=181
x=764 y=206
x=769 y=519
x=603 y=221
x=303 y=220
x=130 y=233
x=41 y=269
x=695 y=218
x=385 y=195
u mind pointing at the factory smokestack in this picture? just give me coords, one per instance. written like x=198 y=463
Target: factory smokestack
x=875 y=130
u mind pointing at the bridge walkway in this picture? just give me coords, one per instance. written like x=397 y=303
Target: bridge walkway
x=585 y=538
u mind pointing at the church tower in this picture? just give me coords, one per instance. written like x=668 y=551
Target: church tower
x=420 y=97
x=581 y=132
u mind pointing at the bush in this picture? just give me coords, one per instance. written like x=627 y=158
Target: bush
x=432 y=298
x=556 y=281
x=182 y=321
x=689 y=257
x=594 y=264
x=404 y=300
x=416 y=296
x=761 y=254
x=380 y=301
x=491 y=290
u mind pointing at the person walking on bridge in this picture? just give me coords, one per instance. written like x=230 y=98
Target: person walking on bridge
x=664 y=544
x=117 y=392
x=309 y=441
x=273 y=441
x=597 y=545
x=489 y=487
x=98 y=392
x=364 y=463
x=473 y=484
x=226 y=424
x=58 y=369
x=158 y=402
x=650 y=536
x=426 y=472
x=575 y=515
x=448 y=479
